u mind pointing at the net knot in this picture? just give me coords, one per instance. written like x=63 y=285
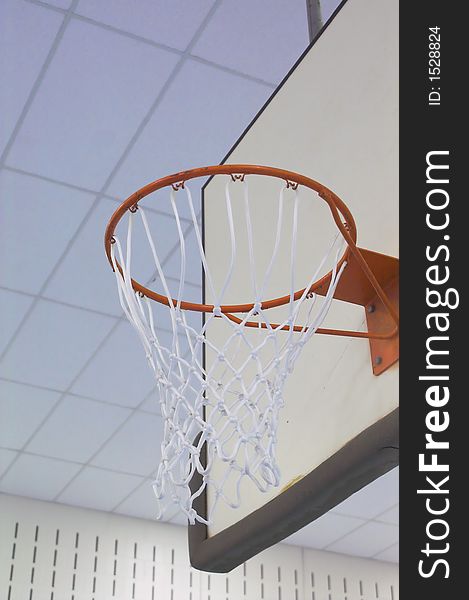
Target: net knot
x=217 y=311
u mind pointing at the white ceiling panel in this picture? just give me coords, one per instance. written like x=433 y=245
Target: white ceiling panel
x=325 y=530
x=141 y=503
x=327 y=8
x=37 y=220
x=26 y=35
x=96 y=92
x=159 y=201
x=59 y=3
x=85 y=277
x=170 y=22
x=6 y=458
x=390 y=516
x=193 y=266
x=152 y=403
x=375 y=498
x=162 y=318
x=135 y=448
x=262 y=39
x=22 y=409
x=367 y=540
x=37 y=476
x=195 y=124
x=119 y=372
x=96 y=488
x=165 y=237
x=179 y=518
x=53 y=345
x=77 y=428
x=13 y=307
x=390 y=554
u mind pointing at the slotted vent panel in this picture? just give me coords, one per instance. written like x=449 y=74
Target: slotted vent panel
x=56 y=552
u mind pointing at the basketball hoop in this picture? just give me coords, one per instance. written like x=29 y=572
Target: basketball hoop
x=228 y=410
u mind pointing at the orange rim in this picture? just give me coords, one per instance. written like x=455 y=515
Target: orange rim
x=341 y=214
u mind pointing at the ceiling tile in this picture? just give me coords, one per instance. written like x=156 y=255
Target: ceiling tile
x=160 y=200
x=375 y=498
x=86 y=261
x=96 y=92
x=135 y=448
x=59 y=3
x=327 y=8
x=53 y=345
x=390 y=554
x=141 y=503
x=367 y=540
x=26 y=35
x=77 y=428
x=96 y=488
x=390 y=516
x=262 y=39
x=162 y=318
x=193 y=268
x=192 y=292
x=170 y=22
x=13 y=307
x=196 y=123
x=119 y=372
x=22 y=409
x=179 y=519
x=324 y=531
x=152 y=403
x=37 y=477
x=6 y=458
x=37 y=220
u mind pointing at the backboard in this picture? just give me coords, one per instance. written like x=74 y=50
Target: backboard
x=335 y=119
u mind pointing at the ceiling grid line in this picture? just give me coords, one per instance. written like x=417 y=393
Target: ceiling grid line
x=86 y=308
x=60 y=302
x=37 y=83
x=354 y=530
x=120 y=161
x=65 y=392
x=86 y=190
x=386 y=549
x=75 y=395
x=127 y=496
x=134 y=410
x=45 y=283
x=74 y=462
x=160 y=46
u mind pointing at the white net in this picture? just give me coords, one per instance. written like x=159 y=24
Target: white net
x=220 y=401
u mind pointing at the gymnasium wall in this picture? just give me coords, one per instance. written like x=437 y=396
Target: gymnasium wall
x=55 y=552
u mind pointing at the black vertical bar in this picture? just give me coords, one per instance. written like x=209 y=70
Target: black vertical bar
x=431 y=133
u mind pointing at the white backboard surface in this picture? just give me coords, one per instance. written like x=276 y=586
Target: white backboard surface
x=334 y=119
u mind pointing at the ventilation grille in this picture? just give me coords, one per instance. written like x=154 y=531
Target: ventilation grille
x=55 y=552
